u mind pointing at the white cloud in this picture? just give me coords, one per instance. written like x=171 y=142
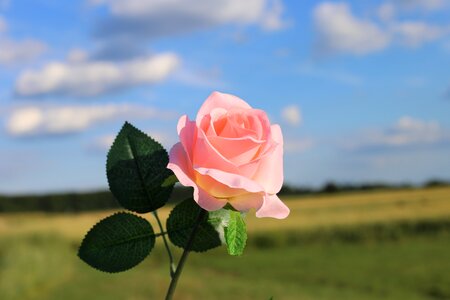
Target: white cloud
x=414 y=34
x=200 y=12
x=13 y=52
x=91 y=78
x=20 y=51
x=32 y=120
x=341 y=32
x=125 y=32
x=407 y=131
x=130 y=24
x=272 y=19
x=292 y=115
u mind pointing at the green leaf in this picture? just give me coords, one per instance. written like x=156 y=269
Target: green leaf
x=117 y=243
x=235 y=233
x=137 y=171
x=181 y=222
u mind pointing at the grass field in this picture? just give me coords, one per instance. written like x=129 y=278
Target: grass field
x=375 y=245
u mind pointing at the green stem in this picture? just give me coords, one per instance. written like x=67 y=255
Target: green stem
x=166 y=244
x=184 y=256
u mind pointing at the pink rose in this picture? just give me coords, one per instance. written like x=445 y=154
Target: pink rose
x=231 y=154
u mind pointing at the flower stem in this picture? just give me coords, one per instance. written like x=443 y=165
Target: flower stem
x=166 y=244
x=184 y=256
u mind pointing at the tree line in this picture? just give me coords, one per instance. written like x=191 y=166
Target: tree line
x=101 y=200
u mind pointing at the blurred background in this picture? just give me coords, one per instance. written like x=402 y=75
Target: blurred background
x=361 y=90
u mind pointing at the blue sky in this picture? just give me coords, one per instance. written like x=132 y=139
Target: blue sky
x=360 y=88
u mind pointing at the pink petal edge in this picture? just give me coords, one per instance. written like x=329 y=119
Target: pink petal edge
x=178 y=164
x=272 y=207
x=234 y=181
x=272 y=181
x=222 y=100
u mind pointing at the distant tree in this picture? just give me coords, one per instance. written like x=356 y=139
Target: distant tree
x=330 y=187
x=436 y=183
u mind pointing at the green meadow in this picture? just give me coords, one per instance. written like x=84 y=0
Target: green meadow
x=359 y=245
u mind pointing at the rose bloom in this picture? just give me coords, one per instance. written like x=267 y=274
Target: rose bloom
x=231 y=154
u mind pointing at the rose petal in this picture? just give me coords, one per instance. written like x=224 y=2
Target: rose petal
x=208 y=157
x=207 y=201
x=247 y=201
x=216 y=188
x=270 y=171
x=233 y=181
x=238 y=150
x=255 y=124
x=207 y=122
x=179 y=163
x=187 y=131
x=221 y=100
x=272 y=207
x=229 y=127
x=263 y=121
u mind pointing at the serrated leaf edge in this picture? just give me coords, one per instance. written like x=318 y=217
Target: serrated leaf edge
x=84 y=238
x=124 y=127
x=236 y=235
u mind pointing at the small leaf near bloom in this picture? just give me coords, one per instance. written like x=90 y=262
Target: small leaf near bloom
x=231 y=154
x=236 y=233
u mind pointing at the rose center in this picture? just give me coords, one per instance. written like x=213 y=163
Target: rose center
x=234 y=125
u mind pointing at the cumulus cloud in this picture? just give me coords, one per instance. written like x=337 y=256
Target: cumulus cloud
x=18 y=51
x=32 y=120
x=292 y=115
x=91 y=78
x=13 y=52
x=180 y=15
x=414 y=34
x=340 y=31
x=273 y=18
x=406 y=132
x=132 y=23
